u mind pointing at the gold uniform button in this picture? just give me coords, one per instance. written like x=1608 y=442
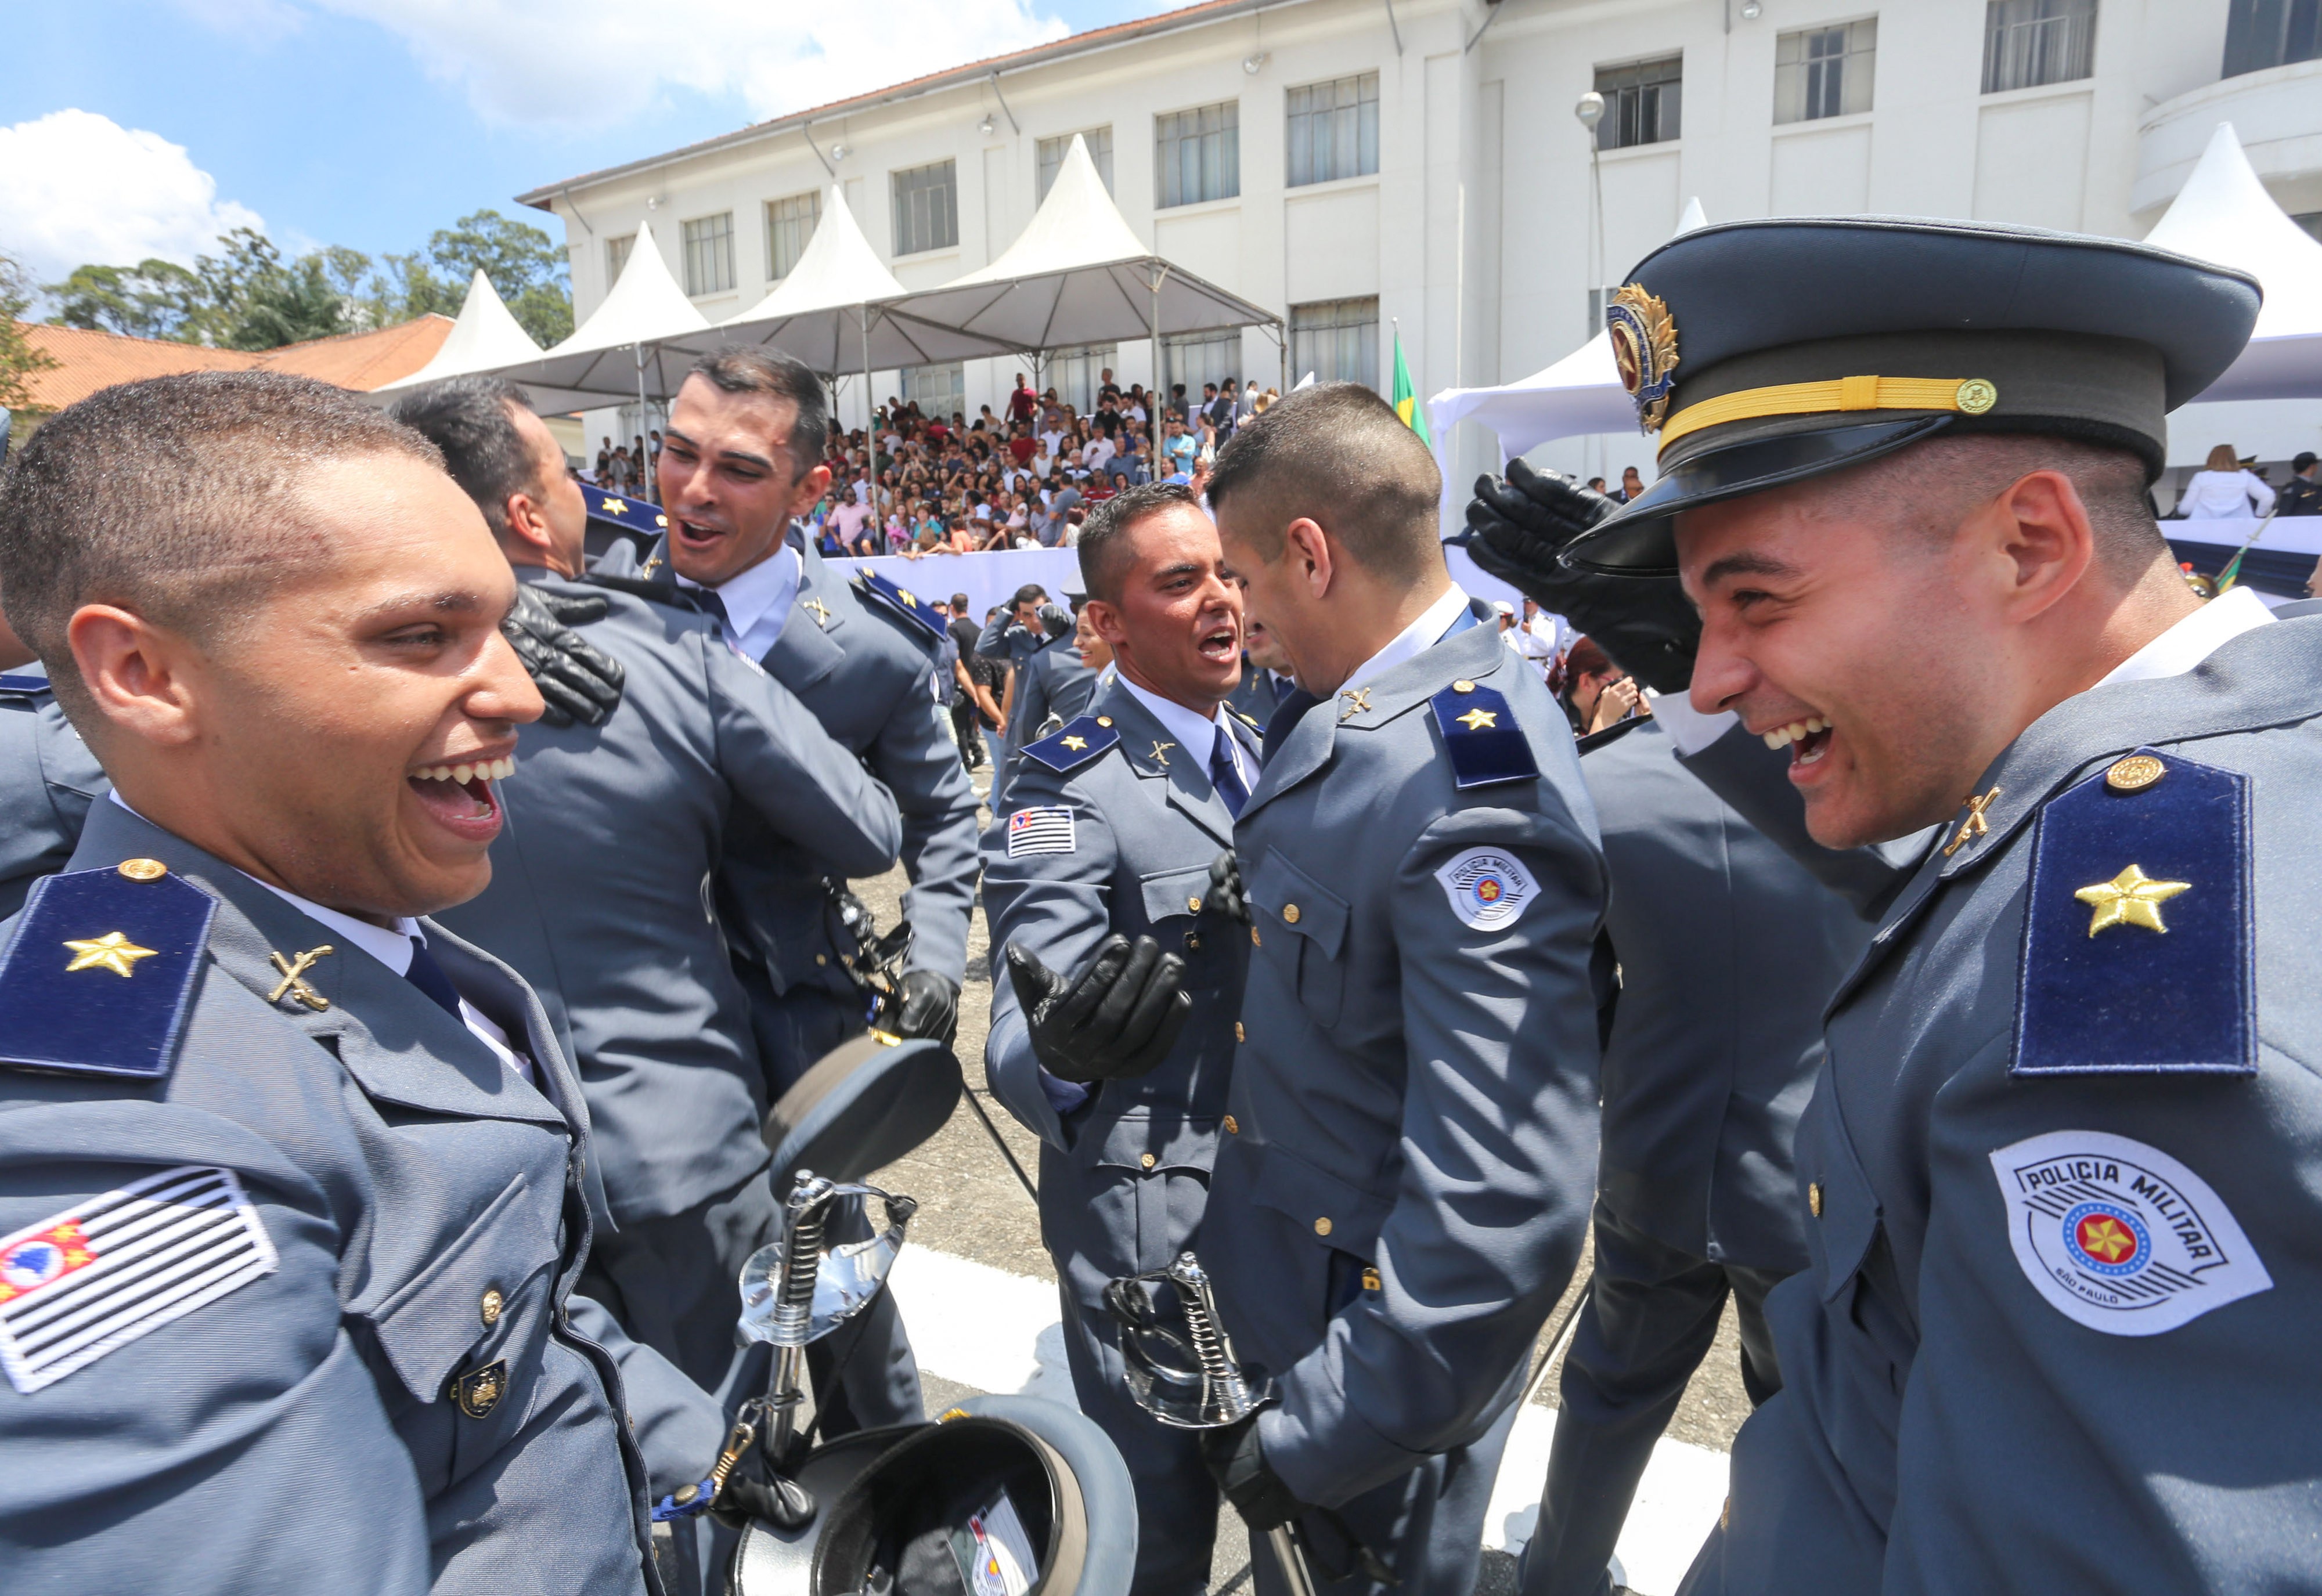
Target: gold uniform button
x=2133 y=774
x=492 y=1304
x=1322 y=1226
x=1193 y=943
x=1289 y=913
x=1463 y=686
x=822 y=958
x=1104 y=720
x=1193 y=906
x=1240 y=1035
x=1232 y=1129
x=1147 y=1160
x=143 y=869
x=1253 y=938
x=1814 y=1198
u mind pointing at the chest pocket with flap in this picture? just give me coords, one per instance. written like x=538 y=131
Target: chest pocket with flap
x=1288 y=903
x=1174 y=892
x=434 y=1327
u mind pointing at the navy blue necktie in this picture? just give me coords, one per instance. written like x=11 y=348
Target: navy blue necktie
x=1225 y=776
x=428 y=976
x=707 y=601
x=1294 y=703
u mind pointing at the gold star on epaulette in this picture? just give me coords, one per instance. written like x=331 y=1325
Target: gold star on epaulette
x=112 y=952
x=614 y=506
x=2130 y=898
x=1475 y=720
x=1076 y=744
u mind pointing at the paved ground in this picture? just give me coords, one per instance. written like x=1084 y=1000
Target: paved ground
x=973 y=1209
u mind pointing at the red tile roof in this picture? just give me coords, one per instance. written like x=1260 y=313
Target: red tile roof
x=87 y=361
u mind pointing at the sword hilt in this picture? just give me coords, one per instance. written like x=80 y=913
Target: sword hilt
x=801 y=1259
x=1227 y=1394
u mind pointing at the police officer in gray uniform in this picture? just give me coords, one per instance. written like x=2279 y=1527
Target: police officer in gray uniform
x=48 y=779
x=601 y=880
x=294 y=1186
x=741 y=457
x=1404 y=1183
x=1053 y=686
x=2058 y=1166
x=1095 y=870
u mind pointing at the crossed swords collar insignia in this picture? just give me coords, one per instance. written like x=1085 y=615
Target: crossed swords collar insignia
x=294 y=983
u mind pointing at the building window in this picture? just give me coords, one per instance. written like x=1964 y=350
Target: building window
x=1335 y=340
x=1334 y=130
x=617 y=256
x=1642 y=103
x=927 y=208
x=1050 y=154
x=1824 y=72
x=790 y=223
x=1074 y=373
x=1197 y=155
x=2261 y=33
x=1196 y=358
x=709 y=254
x=939 y=391
x=2029 y=43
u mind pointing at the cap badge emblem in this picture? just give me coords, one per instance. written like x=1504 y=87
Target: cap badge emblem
x=1644 y=349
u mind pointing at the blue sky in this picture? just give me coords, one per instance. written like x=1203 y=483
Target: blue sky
x=372 y=123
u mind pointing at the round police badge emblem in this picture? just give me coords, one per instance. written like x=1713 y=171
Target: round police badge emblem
x=2118 y=1235
x=1488 y=888
x=1644 y=351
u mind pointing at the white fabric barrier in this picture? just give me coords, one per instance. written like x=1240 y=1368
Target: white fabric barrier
x=992 y=577
x=2288 y=534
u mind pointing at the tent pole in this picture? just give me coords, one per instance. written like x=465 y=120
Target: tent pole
x=871 y=424
x=1282 y=348
x=1159 y=387
x=653 y=484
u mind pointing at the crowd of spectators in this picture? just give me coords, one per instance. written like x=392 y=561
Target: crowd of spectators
x=918 y=484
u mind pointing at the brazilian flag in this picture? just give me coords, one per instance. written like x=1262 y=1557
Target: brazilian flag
x=1406 y=396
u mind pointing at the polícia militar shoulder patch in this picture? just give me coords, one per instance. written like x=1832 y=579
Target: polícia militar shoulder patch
x=1481 y=735
x=2139 y=954
x=99 y=978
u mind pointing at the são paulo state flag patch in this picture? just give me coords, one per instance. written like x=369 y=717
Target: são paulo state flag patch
x=2120 y=1237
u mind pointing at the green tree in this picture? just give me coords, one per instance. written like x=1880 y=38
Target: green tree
x=18 y=359
x=521 y=262
x=152 y=299
x=289 y=305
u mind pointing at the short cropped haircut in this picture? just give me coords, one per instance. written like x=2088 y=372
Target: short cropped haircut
x=174 y=498
x=471 y=420
x=1030 y=593
x=1104 y=548
x=755 y=368
x=1339 y=456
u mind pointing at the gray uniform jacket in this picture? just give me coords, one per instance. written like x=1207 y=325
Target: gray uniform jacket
x=1119 y=841
x=48 y=779
x=1727 y=951
x=2067 y=1256
x=1055 y=682
x=1417 y=1091
x=374 y=1384
x=1256 y=694
x=601 y=889
x=864 y=670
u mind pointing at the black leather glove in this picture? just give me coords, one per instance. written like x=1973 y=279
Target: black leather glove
x=1517 y=531
x=1238 y=1463
x=927 y=1005
x=1116 y=1020
x=749 y=1494
x=577 y=680
x=1226 y=895
x=1056 y=618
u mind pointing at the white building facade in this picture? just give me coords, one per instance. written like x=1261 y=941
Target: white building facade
x=1365 y=167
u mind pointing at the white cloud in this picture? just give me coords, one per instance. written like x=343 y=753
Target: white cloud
x=76 y=187
x=601 y=61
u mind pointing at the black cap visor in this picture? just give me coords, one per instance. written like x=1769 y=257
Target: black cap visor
x=1640 y=539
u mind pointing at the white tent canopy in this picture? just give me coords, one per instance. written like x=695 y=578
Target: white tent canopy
x=1078 y=274
x=2224 y=213
x=1579 y=394
x=829 y=311
x=485 y=338
x=638 y=343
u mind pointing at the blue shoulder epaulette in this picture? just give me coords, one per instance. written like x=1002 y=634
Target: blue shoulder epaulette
x=18 y=686
x=2138 y=954
x=899 y=600
x=637 y=515
x=1481 y=735
x=98 y=977
x=1078 y=742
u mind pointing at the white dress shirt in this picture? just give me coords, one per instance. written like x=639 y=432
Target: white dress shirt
x=1412 y=640
x=2221 y=496
x=391 y=948
x=1197 y=736
x=758 y=601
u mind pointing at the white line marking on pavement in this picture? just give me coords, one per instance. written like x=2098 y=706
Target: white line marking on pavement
x=984 y=1328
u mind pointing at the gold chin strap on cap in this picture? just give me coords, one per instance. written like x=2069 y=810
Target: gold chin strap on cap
x=1970 y=396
